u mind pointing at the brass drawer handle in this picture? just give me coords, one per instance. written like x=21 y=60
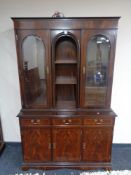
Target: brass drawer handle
x=32 y=121
x=98 y=121
x=35 y=122
x=95 y=120
x=101 y=120
x=70 y=120
x=67 y=122
x=38 y=120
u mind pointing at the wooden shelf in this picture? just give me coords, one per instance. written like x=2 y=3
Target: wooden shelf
x=66 y=61
x=66 y=104
x=65 y=80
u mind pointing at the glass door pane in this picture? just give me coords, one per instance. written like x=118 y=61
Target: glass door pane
x=33 y=51
x=96 y=70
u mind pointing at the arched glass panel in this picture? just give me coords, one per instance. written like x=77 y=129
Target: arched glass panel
x=97 y=59
x=34 y=70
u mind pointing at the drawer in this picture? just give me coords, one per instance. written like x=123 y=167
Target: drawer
x=67 y=121
x=98 y=121
x=34 y=121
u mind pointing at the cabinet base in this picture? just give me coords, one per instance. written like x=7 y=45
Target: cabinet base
x=79 y=166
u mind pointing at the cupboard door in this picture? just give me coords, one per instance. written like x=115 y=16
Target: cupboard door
x=97 y=144
x=97 y=57
x=36 y=142
x=34 y=65
x=66 y=144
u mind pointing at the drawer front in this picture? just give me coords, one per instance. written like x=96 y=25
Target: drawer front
x=34 y=122
x=67 y=121
x=98 y=121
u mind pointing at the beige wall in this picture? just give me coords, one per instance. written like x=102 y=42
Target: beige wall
x=9 y=85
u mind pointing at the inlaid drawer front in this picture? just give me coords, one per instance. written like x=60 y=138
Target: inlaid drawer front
x=67 y=121
x=98 y=121
x=33 y=121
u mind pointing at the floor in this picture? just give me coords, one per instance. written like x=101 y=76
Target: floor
x=11 y=158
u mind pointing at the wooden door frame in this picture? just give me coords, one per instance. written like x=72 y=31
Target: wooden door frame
x=86 y=36
x=45 y=36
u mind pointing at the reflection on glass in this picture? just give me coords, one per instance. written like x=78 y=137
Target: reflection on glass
x=34 y=64
x=98 y=51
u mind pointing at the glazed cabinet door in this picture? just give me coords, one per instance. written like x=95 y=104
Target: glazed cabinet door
x=36 y=143
x=66 y=144
x=97 y=144
x=34 y=67
x=97 y=58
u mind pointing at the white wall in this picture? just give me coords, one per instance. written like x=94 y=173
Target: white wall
x=9 y=85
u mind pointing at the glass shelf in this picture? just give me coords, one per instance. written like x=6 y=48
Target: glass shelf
x=66 y=61
x=65 y=80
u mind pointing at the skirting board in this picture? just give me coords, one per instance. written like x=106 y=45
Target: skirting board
x=114 y=144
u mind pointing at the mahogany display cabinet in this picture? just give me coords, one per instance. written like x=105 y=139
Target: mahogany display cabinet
x=65 y=70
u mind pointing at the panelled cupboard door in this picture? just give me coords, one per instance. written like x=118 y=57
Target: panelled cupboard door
x=97 y=144
x=34 y=67
x=66 y=144
x=36 y=143
x=97 y=58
